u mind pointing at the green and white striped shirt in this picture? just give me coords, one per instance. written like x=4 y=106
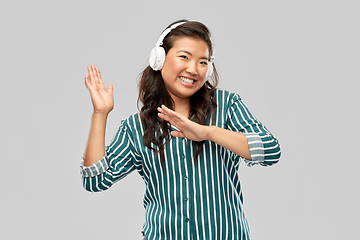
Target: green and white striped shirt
x=188 y=200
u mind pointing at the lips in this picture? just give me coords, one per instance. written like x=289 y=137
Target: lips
x=187 y=80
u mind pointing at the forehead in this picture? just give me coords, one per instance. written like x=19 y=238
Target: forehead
x=193 y=45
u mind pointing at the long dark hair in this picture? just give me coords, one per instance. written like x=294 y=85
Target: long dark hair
x=153 y=93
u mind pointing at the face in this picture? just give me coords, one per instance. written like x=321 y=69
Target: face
x=185 y=67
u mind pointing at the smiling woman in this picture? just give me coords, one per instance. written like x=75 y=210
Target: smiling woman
x=186 y=143
x=184 y=70
x=152 y=87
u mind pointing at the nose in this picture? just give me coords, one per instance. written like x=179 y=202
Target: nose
x=191 y=68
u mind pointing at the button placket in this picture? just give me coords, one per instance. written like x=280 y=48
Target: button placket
x=183 y=163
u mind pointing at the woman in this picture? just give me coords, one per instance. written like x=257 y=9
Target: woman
x=186 y=142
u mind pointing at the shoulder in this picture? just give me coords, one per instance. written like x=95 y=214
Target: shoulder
x=131 y=123
x=134 y=118
x=224 y=97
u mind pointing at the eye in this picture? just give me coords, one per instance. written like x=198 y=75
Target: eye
x=183 y=56
x=204 y=62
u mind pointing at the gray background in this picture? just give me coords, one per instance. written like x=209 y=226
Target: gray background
x=294 y=63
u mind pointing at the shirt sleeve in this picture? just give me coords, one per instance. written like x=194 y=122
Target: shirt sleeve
x=118 y=162
x=264 y=147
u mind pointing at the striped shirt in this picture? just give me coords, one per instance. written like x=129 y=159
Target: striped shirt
x=187 y=199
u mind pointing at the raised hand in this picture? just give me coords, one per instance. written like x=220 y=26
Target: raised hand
x=102 y=98
x=187 y=128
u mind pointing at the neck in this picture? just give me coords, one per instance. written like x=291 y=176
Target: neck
x=182 y=106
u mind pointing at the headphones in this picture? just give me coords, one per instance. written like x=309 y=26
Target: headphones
x=157 y=54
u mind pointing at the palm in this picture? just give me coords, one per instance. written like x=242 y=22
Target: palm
x=102 y=98
x=187 y=129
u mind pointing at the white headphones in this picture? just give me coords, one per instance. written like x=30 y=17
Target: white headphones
x=157 y=54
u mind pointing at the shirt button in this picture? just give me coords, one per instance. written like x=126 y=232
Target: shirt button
x=187 y=219
x=185 y=177
x=186 y=199
x=183 y=156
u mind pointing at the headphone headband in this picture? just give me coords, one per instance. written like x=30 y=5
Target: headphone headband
x=166 y=32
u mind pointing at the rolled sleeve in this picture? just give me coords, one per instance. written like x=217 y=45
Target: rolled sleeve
x=96 y=169
x=264 y=147
x=117 y=162
x=256 y=146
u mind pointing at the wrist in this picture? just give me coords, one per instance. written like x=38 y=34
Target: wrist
x=211 y=131
x=99 y=117
x=100 y=113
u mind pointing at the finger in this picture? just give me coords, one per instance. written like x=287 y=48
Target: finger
x=167 y=111
x=95 y=73
x=100 y=78
x=169 y=120
x=90 y=73
x=166 y=118
x=98 y=74
x=160 y=110
x=171 y=116
x=172 y=113
x=110 y=89
x=87 y=79
x=177 y=134
x=93 y=77
x=174 y=118
x=163 y=116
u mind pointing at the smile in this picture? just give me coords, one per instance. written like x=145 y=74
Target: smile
x=187 y=80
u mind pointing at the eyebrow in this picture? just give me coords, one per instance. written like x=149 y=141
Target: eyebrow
x=184 y=51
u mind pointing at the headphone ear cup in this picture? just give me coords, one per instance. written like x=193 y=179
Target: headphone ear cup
x=157 y=58
x=209 y=70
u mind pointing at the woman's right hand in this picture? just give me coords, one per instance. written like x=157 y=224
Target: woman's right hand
x=102 y=98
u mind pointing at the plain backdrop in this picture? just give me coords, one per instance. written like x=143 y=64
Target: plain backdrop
x=295 y=64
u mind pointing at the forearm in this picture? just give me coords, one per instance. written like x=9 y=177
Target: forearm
x=233 y=141
x=95 y=148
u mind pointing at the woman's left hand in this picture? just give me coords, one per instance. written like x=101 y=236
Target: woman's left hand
x=234 y=141
x=186 y=128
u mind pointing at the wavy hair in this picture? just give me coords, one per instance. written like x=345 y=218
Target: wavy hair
x=153 y=93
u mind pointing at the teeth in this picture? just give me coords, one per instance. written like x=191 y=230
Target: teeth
x=187 y=80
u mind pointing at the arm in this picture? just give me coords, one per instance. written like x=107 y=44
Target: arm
x=95 y=148
x=117 y=162
x=103 y=102
x=264 y=147
x=246 y=136
x=103 y=166
x=233 y=141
